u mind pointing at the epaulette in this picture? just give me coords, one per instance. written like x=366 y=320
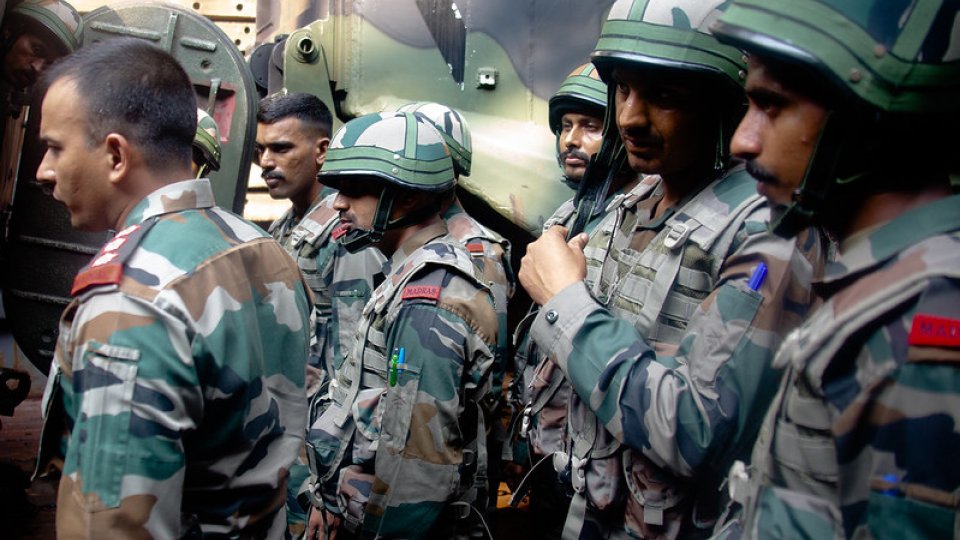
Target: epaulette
x=107 y=267
x=475 y=248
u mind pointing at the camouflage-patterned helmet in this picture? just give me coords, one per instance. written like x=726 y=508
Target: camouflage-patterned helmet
x=57 y=16
x=451 y=124
x=668 y=34
x=206 y=143
x=896 y=56
x=582 y=90
x=403 y=149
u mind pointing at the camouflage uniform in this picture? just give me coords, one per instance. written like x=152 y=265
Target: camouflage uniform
x=341 y=283
x=862 y=439
x=675 y=384
x=178 y=381
x=393 y=457
x=400 y=445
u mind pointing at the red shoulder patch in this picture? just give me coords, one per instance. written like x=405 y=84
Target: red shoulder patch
x=429 y=292
x=475 y=247
x=104 y=274
x=934 y=331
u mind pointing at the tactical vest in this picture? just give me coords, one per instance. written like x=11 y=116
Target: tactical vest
x=796 y=443
x=657 y=289
x=342 y=430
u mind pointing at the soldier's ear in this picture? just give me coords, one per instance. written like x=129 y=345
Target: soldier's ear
x=321 y=150
x=119 y=155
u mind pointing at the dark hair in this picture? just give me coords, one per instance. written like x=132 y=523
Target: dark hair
x=133 y=88
x=304 y=107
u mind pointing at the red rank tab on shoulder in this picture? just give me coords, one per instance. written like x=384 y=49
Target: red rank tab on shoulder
x=475 y=247
x=430 y=292
x=105 y=274
x=933 y=331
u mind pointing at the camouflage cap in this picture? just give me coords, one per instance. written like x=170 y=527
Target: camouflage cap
x=451 y=124
x=581 y=90
x=896 y=56
x=668 y=34
x=57 y=16
x=401 y=148
x=207 y=141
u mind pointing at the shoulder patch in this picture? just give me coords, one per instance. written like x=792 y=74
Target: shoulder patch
x=934 y=331
x=428 y=292
x=475 y=247
x=107 y=267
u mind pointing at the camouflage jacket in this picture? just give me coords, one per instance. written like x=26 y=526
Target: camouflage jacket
x=178 y=383
x=668 y=349
x=862 y=439
x=341 y=283
x=490 y=253
x=543 y=390
x=400 y=437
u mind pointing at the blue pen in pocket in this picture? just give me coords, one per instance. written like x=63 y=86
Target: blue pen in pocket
x=756 y=279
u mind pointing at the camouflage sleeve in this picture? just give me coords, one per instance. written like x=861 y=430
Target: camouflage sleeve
x=421 y=448
x=684 y=405
x=136 y=393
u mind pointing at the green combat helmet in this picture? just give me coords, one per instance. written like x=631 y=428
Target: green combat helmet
x=206 y=144
x=581 y=90
x=662 y=35
x=404 y=152
x=451 y=124
x=888 y=61
x=55 y=16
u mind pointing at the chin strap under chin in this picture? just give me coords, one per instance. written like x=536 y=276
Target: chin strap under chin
x=358 y=239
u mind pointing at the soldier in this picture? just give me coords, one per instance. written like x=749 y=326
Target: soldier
x=35 y=34
x=400 y=445
x=206 y=145
x=576 y=116
x=490 y=253
x=293 y=132
x=666 y=319
x=177 y=388
x=861 y=440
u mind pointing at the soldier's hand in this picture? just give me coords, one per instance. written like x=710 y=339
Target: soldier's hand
x=322 y=525
x=552 y=264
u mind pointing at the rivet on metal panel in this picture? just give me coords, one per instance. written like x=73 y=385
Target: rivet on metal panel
x=487 y=78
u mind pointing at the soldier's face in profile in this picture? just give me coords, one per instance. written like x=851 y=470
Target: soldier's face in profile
x=290 y=155
x=580 y=137
x=664 y=120
x=357 y=203
x=27 y=58
x=778 y=134
x=78 y=170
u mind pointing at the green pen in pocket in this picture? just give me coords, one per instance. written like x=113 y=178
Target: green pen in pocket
x=392 y=367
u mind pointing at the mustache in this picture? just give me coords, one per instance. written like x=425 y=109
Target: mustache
x=579 y=154
x=271 y=174
x=641 y=137
x=761 y=174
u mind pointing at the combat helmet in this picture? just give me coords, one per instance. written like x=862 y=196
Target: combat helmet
x=206 y=144
x=451 y=124
x=884 y=62
x=56 y=16
x=581 y=90
x=403 y=151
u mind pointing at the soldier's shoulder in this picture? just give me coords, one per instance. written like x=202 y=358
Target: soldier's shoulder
x=457 y=291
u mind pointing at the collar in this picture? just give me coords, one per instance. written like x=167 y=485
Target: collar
x=185 y=195
x=863 y=252
x=415 y=242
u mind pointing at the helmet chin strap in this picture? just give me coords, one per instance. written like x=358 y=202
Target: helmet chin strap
x=814 y=195
x=357 y=239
